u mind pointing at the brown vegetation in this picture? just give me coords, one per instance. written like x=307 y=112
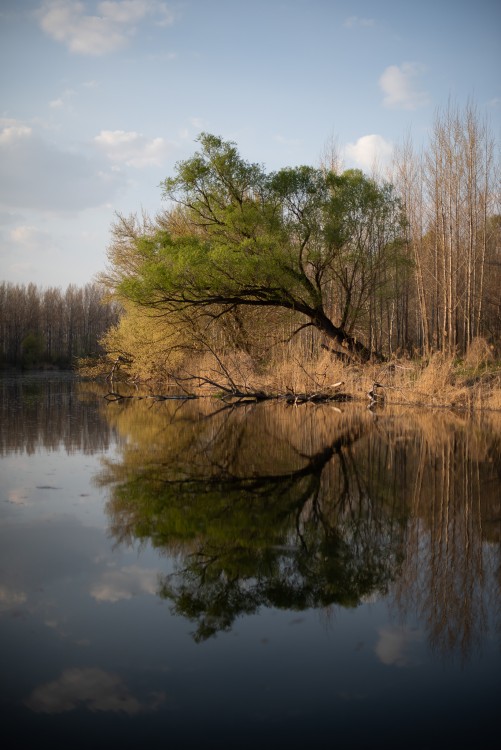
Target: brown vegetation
x=297 y=372
x=51 y=327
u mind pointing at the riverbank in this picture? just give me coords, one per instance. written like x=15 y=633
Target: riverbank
x=472 y=382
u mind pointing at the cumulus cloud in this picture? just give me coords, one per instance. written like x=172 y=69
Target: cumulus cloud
x=37 y=174
x=109 y=30
x=13 y=133
x=368 y=151
x=87 y=35
x=125 y=583
x=131 y=148
x=93 y=688
x=399 y=85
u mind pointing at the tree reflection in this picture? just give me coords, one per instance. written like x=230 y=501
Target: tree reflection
x=452 y=549
x=260 y=508
x=50 y=411
x=269 y=506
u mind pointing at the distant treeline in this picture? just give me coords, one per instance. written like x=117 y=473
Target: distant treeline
x=50 y=326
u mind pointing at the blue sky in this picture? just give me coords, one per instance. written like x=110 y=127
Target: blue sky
x=99 y=100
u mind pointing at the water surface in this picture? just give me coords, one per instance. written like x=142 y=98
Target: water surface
x=193 y=574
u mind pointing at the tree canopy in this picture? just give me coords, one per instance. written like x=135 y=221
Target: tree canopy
x=302 y=239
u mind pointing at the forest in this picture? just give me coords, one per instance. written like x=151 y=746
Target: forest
x=249 y=278
x=51 y=327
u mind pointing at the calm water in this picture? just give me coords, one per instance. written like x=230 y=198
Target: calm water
x=194 y=575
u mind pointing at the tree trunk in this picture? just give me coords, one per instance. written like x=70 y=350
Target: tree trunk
x=349 y=344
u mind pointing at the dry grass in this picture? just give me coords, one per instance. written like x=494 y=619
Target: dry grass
x=430 y=383
x=441 y=381
x=295 y=371
x=473 y=382
x=302 y=367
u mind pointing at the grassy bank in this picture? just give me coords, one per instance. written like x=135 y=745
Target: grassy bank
x=469 y=382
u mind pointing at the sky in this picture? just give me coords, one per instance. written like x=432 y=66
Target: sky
x=100 y=100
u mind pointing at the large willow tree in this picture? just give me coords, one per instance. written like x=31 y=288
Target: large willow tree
x=320 y=244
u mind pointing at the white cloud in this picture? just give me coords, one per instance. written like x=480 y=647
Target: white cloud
x=92 y=687
x=63 y=100
x=67 y=22
x=131 y=148
x=37 y=174
x=399 y=86
x=14 y=133
x=87 y=35
x=29 y=237
x=125 y=583
x=369 y=151
x=394 y=646
x=352 y=21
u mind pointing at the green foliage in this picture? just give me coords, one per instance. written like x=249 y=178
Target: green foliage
x=299 y=239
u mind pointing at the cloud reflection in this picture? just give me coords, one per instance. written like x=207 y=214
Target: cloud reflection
x=10 y=597
x=394 y=646
x=91 y=687
x=124 y=583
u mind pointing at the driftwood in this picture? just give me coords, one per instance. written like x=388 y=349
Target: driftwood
x=315 y=398
x=235 y=395
x=114 y=396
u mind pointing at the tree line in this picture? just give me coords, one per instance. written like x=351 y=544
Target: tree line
x=50 y=326
x=367 y=266
x=451 y=197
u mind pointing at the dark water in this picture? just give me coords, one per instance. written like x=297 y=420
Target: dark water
x=191 y=575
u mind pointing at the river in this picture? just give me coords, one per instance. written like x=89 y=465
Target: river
x=199 y=575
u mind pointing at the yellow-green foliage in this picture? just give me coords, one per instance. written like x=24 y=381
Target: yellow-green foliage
x=152 y=344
